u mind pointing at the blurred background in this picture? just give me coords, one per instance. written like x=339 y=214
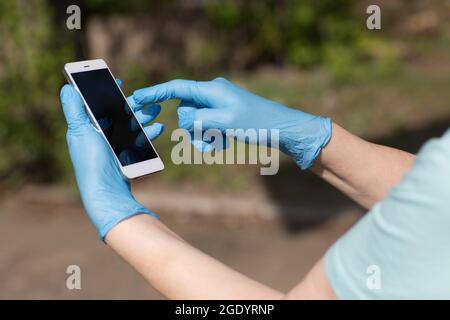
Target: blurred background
x=391 y=86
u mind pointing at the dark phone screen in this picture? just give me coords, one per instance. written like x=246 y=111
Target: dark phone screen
x=114 y=116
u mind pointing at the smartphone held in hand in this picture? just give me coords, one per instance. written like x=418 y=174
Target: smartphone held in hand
x=112 y=117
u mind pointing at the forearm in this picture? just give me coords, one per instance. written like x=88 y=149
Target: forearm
x=362 y=170
x=175 y=268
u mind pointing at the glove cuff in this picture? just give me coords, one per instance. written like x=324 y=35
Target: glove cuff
x=137 y=210
x=305 y=142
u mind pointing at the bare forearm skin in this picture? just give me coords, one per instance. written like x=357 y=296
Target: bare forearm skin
x=362 y=170
x=180 y=271
x=176 y=269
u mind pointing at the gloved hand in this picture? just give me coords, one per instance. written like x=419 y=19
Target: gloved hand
x=104 y=191
x=219 y=104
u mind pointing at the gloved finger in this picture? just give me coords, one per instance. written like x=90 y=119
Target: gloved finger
x=215 y=139
x=211 y=119
x=73 y=107
x=134 y=105
x=204 y=117
x=202 y=146
x=152 y=131
x=188 y=90
x=186 y=117
x=127 y=105
x=208 y=145
x=145 y=116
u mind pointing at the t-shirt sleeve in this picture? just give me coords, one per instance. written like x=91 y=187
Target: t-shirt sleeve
x=400 y=249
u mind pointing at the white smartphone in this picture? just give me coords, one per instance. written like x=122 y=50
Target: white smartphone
x=111 y=116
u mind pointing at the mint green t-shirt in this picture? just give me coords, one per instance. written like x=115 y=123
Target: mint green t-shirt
x=401 y=248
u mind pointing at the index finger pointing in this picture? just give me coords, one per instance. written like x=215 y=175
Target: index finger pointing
x=187 y=90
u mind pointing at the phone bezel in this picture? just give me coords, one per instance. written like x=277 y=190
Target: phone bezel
x=131 y=171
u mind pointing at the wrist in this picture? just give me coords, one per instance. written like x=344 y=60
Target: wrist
x=120 y=215
x=305 y=139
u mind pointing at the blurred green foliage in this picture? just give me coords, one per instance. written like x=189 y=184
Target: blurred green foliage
x=244 y=34
x=31 y=56
x=238 y=36
x=303 y=33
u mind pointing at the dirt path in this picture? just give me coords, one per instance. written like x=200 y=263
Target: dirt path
x=42 y=231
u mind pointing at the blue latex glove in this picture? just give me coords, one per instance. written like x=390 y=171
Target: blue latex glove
x=104 y=191
x=220 y=104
